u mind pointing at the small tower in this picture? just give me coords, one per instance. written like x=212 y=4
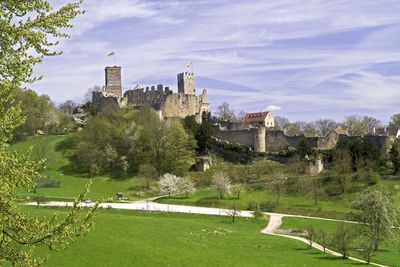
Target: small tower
x=113 y=81
x=186 y=83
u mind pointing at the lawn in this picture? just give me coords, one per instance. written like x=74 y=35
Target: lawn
x=334 y=207
x=57 y=150
x=126 y=238
x=389 y=252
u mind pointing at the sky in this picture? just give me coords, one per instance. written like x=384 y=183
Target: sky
x=304 y=60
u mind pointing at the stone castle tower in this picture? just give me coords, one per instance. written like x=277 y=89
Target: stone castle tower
x=186 y=83
x=113 y=81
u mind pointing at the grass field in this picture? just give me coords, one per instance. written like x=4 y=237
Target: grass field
x=389 y=252
x=58 y=167
x=332 y=208
x=124 y=238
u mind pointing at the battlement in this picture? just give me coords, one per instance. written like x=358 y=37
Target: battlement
x=186 y=83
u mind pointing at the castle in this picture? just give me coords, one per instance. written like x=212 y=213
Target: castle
x=162 y=99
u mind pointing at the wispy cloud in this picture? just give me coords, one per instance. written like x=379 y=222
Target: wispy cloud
x=309 y=58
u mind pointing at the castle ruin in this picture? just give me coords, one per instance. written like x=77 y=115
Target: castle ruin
x=162 y=99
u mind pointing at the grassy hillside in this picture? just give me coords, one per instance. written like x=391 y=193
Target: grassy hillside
x=57 y=150
x=123 y=238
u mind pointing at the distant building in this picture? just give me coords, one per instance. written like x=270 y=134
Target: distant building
x=259 y=119
x=163 y=100
x=386 y=131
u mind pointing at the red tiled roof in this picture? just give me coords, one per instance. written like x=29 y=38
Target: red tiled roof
x=258 y=117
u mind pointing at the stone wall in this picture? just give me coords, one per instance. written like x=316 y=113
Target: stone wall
x=276 y=141
x=152 y=96
x=113 y=81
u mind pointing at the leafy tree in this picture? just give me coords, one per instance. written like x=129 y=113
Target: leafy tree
x=395 y=121
x=67 y=107
x=344 y=238
x=311 y=236
x=293 y=129
x=168 y=184
x=149 y=173
x=308 y=129
x=342 y=166
x=190 y=125
x=377 y=213
x=277 y=187
x=221 y=184
x=177 y=150
x=323 y=239
x=29 y=30
x=394 y=155
x=204 y=137
x=224 y=112
x=186 y=186
x=355 y=125
x=237 y=189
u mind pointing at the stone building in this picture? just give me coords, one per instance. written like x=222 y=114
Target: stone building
x=259 y=119
x=162 y=99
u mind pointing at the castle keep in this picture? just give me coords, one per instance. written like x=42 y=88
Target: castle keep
x=162 y=99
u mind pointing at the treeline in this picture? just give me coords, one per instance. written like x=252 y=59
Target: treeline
x=128 y=140
x=42 y=115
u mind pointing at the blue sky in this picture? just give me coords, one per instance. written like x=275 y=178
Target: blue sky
x=301 y=59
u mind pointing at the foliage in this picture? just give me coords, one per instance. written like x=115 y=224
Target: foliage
x=149 y=172
x=169 y=184
x=324 y=126
x=221 y=184
x=203 y=137
x=224 y=112
x=311 y=236
x=29 y=29
x=394 y=155
x=344 y=238
x=176 y=155
x=395 y=121
x=105 y=139
x=378 y=215
x=355 y=125
x=186 y=186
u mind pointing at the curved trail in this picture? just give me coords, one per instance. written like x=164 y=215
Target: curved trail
x=274 y=223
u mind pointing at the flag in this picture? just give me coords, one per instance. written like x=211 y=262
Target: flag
x=189 y=64
x=111 y=54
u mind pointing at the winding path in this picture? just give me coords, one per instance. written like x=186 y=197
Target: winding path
x=275 y=219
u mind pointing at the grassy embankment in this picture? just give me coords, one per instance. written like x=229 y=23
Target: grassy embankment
x=125 y=238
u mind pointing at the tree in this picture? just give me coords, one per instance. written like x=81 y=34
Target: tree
x=224 y=112
x=293 y=129
x=394 y=155
x=237 y=189
x=221 y=184
x=324 y=126
x=323 y=239
x=233 y=212
x=395 y=121
x=311 y=236
x=308 y=129
x=67 y=107
x=148 y=172
x=377 y=213
x=281 y=123
x=371 y=123
x=29 y=31
x=344 y=238
x=204 y=137
x=89 y=93
x=186 y=186
x=177 y=150
x=168 y=184
x=277 y=187
x=343 y=163
x=355 y=125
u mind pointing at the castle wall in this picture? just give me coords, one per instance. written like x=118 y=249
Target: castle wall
x=276 y=141
x=152 y=96
x=100 y=101
x=253 y=138
x=181 y=105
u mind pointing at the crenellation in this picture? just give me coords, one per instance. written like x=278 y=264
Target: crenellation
x=162 y=99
